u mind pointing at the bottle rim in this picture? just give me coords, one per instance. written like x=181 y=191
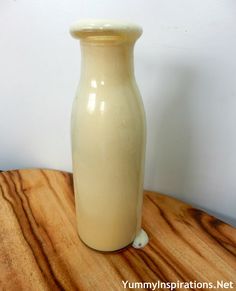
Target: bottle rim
x=105 y=28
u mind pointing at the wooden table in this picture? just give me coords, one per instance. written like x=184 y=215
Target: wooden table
x=40 y=249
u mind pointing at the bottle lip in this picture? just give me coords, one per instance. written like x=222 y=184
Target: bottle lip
x=87 y=28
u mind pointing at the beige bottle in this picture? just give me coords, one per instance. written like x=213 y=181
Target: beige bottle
x=108 y=136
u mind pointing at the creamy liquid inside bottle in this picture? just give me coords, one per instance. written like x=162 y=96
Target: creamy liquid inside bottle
x=108 y=137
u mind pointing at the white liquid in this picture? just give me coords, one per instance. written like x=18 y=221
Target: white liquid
x=108 y=145
x=141 y=240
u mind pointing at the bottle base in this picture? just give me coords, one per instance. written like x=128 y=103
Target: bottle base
x=140 y=241
x=104 y=251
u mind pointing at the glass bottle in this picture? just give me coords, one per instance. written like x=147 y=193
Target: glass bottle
x=108 y=136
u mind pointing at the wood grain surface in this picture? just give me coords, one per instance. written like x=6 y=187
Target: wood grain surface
x=40 y=248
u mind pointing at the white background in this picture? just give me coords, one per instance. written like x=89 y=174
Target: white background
x=186 y=70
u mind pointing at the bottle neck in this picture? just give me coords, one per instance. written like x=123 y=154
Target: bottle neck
x=107 y=61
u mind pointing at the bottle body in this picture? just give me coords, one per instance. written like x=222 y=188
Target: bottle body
x=108 y=147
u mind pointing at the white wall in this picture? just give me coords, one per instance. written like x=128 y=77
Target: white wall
x=186 y=71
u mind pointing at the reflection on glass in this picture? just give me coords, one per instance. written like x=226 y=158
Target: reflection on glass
x=91 y=102
x=93 y=83
x=102 y=106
